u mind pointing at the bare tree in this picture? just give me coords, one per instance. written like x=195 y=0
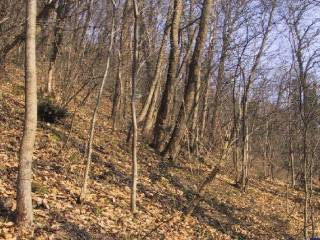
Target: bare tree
x=244 y=99
x=124 y=58
x=155 y=80
x=305 y=57
x=133 y=109
x=95 y=111
x=24 y=198
x=166 y=105
x=173 y=147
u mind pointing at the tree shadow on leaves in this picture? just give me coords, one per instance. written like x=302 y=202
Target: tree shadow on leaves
x=66 y=229
x=5 y=211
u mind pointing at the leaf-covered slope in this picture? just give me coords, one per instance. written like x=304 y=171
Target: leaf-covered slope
x=163 y=191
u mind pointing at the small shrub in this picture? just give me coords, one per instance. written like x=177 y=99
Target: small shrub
x=54 y=137
x=50 y=112
x=18 y=90
x=38 y=188
x=97 y=210
x=74 y=157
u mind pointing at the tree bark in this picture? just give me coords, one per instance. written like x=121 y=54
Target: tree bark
x=54 y=48
x=166 y=105
x=173 y=147
x=226 y=36
x=306 y=187
x=133 y=110
x=150 y=118
x=123 y=78
x=206 y=86
x=118 y=96
x=24 y=196
x=156 y=76
x=291 y=156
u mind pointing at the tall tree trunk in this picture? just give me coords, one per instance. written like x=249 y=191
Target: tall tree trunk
x=244 y=101
x=147 y=111
x=221 y=74
x=123 y=78
x=312 y=218
x=51 y=84
x=156 y=76
x=95 y=112
x=55 y=39
x=194 y=131
x=173 y=147
x=306 y=187
x=166 y=105
x=195 y=118
x=244 y=169
x=53 y=49
x=291 y=153
x=24 y=198
x=133 y=109
x=150 y=118
x=118 y=96
x=266 y=149
x=206 y=86
x=205 y=109
x=236 y=116
x=292 y=165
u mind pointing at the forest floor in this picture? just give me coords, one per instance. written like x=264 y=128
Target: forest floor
x=265 y=211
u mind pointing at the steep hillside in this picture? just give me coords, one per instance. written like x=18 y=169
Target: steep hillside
x=266 y=211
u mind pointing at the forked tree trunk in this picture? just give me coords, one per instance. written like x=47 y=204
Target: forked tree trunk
x=24 y=196
x=95 y=112
x=173 y=147
x=155 y=80
x=147 y=112
x=166 y=105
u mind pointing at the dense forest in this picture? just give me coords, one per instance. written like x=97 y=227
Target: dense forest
x=171 y=119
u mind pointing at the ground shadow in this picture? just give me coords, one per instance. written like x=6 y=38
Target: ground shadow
x=5 y=211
